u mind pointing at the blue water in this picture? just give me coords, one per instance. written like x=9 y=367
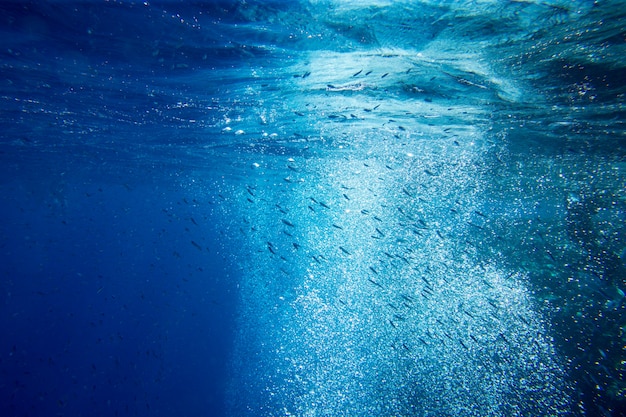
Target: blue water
x=324 y=208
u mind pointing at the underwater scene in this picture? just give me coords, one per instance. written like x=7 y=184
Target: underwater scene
x=313 y=208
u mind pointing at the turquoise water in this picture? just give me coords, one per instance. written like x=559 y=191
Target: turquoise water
x=320 y=208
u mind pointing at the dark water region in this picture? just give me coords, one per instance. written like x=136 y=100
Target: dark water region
x=105 y=309
x=313 y=208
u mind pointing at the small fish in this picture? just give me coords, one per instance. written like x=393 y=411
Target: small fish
x=270 y=247
x=324 y=205
x=384 y=75
x=336 y=226
x=346 y=197
x=196 y=245
x=287 y=223
x=475 y=225
x=373 y=270
x=344 y=250
x=357 y=73
x=368 y=73
x=523 y=320
x=375 y=283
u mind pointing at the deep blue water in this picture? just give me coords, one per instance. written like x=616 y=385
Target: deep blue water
x=323 y=208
